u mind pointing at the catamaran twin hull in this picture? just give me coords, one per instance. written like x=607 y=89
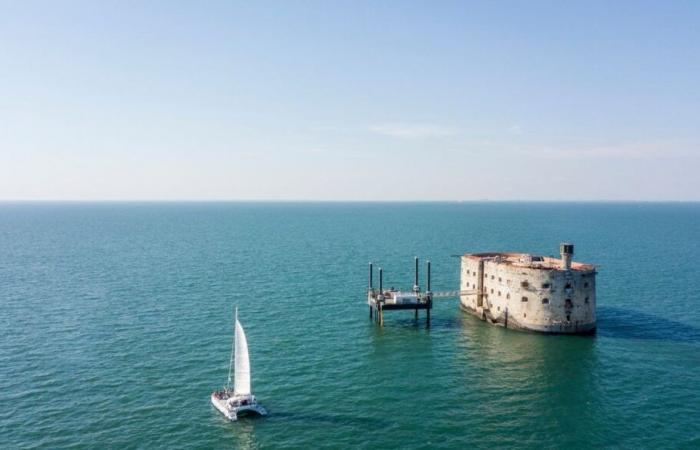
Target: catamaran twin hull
x=233 y=407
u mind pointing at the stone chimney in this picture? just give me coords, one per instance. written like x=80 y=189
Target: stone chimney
x=567 y=251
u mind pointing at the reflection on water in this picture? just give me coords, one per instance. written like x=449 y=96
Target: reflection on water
x=526 y=376
x=438 y=320
x=630 y=324
x=243 y=433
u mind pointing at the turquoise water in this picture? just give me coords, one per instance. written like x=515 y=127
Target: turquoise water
x=116 y=326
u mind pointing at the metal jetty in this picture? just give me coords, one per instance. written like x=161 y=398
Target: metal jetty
x=380 y=300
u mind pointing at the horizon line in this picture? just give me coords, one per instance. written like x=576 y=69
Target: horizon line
x=156 y=200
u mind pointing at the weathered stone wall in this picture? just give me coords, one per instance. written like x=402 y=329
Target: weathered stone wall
x=531 y=298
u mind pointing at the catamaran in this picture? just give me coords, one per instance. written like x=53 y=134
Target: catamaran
x=236 y=400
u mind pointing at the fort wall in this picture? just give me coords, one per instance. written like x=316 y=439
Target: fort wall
x=522 y=291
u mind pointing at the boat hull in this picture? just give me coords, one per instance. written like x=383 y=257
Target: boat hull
x=232 y=413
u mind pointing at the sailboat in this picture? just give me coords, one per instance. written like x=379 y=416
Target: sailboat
x=237 y=399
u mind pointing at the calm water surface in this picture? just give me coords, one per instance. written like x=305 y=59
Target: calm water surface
x=115 y=325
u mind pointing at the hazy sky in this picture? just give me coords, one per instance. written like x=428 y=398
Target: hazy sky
x=336 y=100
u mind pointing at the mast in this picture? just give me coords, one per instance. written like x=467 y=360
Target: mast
x=233 y=348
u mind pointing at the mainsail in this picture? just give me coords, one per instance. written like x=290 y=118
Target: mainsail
x=242 y=362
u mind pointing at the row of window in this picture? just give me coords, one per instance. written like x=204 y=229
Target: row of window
x=499 y=294
x=545 y=301
x=493 y=277
x=526 y=283
x=567 y=303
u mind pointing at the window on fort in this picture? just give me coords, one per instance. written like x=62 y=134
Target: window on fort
x=499 y=279
x=568 y=317
x=524 y=283
x=492 y=277
x=508 y=296
x=492 y=291
x=468 y=272
x=568 y=285
x=546 y=285
x=499 y=293
x=586 y=300
x=545 y=301
x=585 y=284
x=568 y=303
x=524 y=299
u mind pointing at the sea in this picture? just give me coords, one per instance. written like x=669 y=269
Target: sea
x=116 y=324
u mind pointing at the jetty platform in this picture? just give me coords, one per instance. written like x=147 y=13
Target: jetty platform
x=380 y=299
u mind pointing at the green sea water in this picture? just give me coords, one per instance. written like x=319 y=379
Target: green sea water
x=116 y=323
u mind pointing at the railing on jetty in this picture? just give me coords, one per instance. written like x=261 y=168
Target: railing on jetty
x=452 y=294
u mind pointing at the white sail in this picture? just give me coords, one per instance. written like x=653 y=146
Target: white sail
x=242 y=363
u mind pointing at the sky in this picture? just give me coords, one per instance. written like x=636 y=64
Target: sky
x=350 y=100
